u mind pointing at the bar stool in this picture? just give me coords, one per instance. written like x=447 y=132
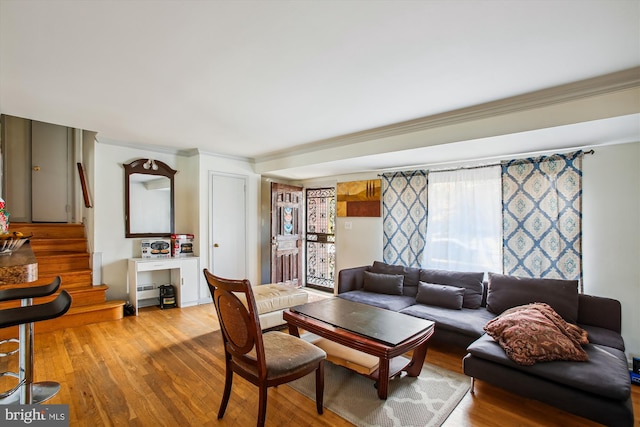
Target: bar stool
x=26 y=391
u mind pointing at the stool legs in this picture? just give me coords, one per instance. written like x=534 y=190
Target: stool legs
x=31 y=392
x=28 y=392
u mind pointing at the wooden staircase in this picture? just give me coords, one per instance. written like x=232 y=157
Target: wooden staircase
x=61 y=250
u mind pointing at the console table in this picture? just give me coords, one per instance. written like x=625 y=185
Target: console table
x=182 y=274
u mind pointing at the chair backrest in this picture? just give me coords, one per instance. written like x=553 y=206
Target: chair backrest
x=239 y=321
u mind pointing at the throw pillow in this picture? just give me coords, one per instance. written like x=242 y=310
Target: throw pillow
x=536 y=333
x=510 y=291
x=440 y=295
x=390 y=284
x=411 y=275
x=470 y=281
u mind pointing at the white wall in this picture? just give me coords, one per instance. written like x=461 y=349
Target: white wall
x=611 y=231
x=110 y=244
x=191 y=208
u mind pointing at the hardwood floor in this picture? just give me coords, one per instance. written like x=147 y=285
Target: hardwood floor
x=165 y=368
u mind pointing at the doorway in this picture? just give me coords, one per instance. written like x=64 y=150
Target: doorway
x=320 y=237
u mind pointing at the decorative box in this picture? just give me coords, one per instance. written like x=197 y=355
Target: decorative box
x=181 y=245
x=156 y=248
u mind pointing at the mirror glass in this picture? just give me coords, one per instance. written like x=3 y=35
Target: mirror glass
x=149 y=199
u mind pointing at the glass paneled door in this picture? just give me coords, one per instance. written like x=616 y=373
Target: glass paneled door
x=321 y=247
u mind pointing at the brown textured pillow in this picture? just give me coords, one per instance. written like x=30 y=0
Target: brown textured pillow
x=536 y=333
x=440 y=295
x=390 y=284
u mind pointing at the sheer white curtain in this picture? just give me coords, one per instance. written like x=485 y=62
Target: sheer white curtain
x=464 y=222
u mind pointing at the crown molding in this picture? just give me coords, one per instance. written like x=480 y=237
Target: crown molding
x=608 y=83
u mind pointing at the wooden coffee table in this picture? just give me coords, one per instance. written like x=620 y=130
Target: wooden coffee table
x=382 y=333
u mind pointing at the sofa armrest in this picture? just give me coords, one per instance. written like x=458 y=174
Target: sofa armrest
x=351 y=279
x=600 y=311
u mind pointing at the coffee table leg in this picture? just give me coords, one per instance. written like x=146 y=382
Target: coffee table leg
x=415 y=366
x=293 y=330
x=383 y=378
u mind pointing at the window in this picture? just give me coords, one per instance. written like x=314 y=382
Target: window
x=464 y=220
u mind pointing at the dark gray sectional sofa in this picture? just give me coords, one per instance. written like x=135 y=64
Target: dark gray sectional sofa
x=461 y=305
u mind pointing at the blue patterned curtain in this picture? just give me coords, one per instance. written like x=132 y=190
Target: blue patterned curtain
x=404 y=216
x=542 y=216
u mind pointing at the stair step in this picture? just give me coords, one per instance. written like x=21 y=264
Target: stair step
x=83 y=315
x=70 y=278
x=89 y=295
x=49 y=231
x=52 y=262
x=58 y=245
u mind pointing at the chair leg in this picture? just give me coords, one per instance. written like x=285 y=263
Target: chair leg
x=262 y=405
x=320 y=386
x=228 y=381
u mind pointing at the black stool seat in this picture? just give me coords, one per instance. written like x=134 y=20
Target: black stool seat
x=27 y=391
x=30 y=292
x=36 y=313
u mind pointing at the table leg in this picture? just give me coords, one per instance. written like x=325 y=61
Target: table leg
x=293 y=330
x=383 y=378
x=414 y=368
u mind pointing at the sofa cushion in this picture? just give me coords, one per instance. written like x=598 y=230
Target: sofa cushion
x=467 y=321
x=390 y=284
x=604 y=336
x=411 y=275
x=605 y=374
x=506 y=292
x=470 y=281
x=389 y=302
x=535 y=333
x=440 y=295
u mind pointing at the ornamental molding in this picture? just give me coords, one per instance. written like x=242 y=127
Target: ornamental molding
x=575 y=91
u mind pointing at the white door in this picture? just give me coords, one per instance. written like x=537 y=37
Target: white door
x=50 y=173
x=228 y=226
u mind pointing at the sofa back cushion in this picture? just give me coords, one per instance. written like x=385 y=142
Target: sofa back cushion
x=390 y=284
x=470 y=281
x=411 y=276
x=440 y=295
x=510 y=291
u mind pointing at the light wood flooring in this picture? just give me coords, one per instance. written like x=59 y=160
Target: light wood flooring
x=165 y=368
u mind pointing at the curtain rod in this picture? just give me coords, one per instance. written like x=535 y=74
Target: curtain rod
x=477 y=167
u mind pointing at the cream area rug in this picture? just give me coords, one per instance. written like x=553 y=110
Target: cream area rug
x=422 y=401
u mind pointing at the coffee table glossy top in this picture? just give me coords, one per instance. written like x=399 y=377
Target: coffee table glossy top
x=382 y=325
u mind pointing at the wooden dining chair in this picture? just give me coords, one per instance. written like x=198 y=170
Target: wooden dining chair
x=265 y=360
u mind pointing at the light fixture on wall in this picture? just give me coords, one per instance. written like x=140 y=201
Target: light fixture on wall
x=150 y=164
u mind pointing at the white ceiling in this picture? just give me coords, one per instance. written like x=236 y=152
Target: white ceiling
x=258 y=78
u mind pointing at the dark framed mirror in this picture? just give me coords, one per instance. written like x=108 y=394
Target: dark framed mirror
x=148 y=198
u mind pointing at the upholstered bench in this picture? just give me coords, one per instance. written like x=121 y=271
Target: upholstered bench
x=339 y=354
x=273 y=299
